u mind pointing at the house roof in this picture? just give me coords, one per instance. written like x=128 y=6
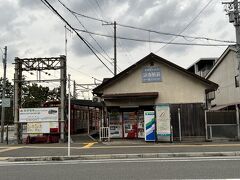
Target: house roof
x=148 y=58
x=220 y=59
x=203 y=59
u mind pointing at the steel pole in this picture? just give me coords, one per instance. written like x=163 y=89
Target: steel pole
x=115 y=48
x=3 y=93
x=69 y=114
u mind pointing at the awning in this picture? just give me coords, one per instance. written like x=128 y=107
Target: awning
x=141 y=95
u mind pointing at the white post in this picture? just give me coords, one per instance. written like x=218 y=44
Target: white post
x=179 y=125
x=69 y=113
x=206 y=125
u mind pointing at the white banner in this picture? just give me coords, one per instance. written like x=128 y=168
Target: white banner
x=38 y=114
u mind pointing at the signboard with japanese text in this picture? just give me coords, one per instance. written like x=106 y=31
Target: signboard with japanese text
x=39 y=120
x=163 y=123
x=38 y=114
x=151 y=74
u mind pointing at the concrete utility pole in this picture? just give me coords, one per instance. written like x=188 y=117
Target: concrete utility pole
x=232 y=9
x=3 y=92
x=115 y=45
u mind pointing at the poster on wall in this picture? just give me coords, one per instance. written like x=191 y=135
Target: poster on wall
x=163 y=123
x=149 y=124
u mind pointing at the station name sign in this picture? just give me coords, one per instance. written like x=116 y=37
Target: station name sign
x=151 y=74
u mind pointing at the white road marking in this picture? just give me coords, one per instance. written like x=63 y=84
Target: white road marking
x=9 y=149
x=114 y=161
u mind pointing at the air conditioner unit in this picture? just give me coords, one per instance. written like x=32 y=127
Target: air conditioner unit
x=96 y=99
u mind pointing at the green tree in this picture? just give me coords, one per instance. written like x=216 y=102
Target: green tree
x=35 y=96
x=9 y=88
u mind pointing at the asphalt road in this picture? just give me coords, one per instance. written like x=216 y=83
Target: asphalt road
x=178 y=168
x=86 y=149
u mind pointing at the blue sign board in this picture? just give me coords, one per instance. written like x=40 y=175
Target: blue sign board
x=151 y=74
x=149 y=123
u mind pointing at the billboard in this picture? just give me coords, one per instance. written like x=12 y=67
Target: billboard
x=38 y=114
x=149 y=124
x=39 y=120
x=163 y=122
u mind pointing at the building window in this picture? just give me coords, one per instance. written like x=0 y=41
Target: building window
x=237 y=81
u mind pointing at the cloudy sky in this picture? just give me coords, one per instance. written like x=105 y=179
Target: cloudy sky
x=30 y=29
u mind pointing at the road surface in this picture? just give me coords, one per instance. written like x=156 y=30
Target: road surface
x=141 y=169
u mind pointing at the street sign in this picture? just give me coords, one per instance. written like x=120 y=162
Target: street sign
x=6 y=102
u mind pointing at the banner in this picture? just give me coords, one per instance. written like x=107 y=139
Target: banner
x=149 y=122
x=163 y=123
x=38 y=114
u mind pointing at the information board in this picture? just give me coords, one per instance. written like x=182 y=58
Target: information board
x=163 y=123
x=39 y=120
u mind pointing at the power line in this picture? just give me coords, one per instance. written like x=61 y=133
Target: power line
x=151 y=41
x=86 y=30
x=188 y=25
x=155 y=31
x=72 y=12
x=85 y=42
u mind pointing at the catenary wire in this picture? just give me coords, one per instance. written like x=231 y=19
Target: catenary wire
x=85 y=42
x=154 y=31
x=152 y=41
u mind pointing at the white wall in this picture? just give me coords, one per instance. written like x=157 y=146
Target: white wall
x=176 y=87
x=224 y=76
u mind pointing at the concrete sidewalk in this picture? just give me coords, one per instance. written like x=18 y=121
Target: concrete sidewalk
x=119 y=149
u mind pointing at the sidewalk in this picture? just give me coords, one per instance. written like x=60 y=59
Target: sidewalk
x=116 y=149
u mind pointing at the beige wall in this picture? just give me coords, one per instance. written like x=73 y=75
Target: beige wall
x=175 y=87
x=224 y=76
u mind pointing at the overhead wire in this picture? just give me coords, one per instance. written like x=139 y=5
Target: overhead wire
x=89 y=34
x=152 y=41
x=187 y=26
x=155 y=31
x=81 y=38
x=72 y=12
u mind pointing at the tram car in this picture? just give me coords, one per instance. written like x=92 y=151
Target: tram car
x=85 y=115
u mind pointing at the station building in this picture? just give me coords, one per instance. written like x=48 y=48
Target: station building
x=152 y=85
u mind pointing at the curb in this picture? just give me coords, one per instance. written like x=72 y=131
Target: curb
x=120 y=156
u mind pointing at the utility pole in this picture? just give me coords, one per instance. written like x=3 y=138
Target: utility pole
x=115 y=45
x=232 y=9
x=3 y=92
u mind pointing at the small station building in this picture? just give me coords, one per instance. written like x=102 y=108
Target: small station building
x=176 y=97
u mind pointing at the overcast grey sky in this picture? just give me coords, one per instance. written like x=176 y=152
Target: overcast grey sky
x=30 y=29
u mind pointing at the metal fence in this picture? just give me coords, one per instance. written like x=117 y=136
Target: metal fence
x=222 y=125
